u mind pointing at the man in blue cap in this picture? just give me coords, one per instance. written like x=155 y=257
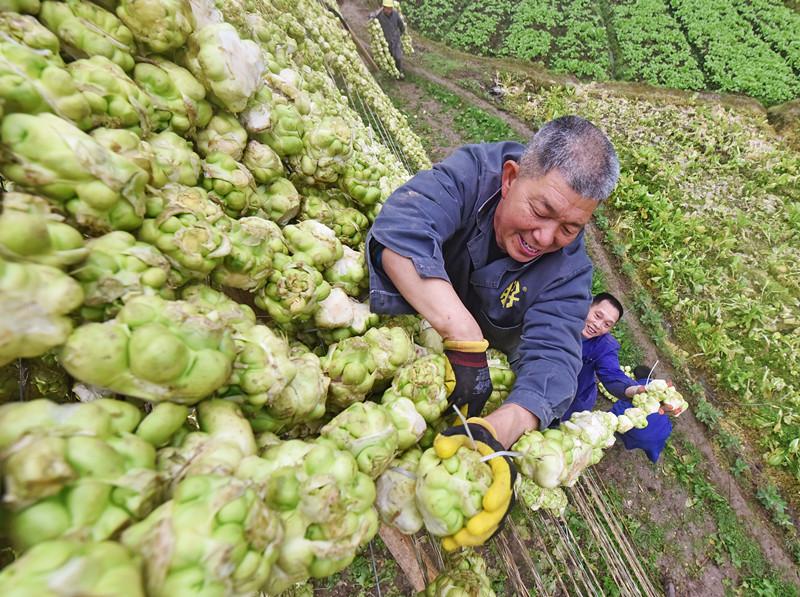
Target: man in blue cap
x=488 y=247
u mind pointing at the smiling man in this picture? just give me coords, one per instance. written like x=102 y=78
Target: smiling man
x=600 y=356
x=488 y=247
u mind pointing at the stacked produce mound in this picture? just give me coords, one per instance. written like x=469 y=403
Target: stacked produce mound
x=195 y=396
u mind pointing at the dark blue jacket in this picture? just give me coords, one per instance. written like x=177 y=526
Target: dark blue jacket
x=652 y=439
x=600 y=361
x=442 y=220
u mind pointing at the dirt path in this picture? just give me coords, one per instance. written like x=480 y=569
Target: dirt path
x=642 y=484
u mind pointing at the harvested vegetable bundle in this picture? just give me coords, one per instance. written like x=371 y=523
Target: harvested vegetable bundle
x=327 y=146
x=155 y=350
x=278 y=201
x=79 y=470
x=103 y=569
x=349 y=272
x=536 y=497
x=30 y=231
x=87 y=30
x=174 y=161
x=396 y=493
x=301 y=401
x=503 y=379
x=365 y=429
x=264 y=164
x=334 y=209
x=253 y=243
x=215 y=536
x=33 y=81
x=189 y=229
x=224 y=134
x=228 y=183
x=313 y=243
x=340 y=316
x=116 y=101
x=162 y=25
x=228 y=66
x=27 y=31
x=224 y=438
x=178 y=98
x=380 y=50
x=324 y=502
x=450 y=491
x=128 y=144
x=464 y=576
x=293 y=291
x=118 y=268
x=34 y=303
x=101 y=190
x=424 y=382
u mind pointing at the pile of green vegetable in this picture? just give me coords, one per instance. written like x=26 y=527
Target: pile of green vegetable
x=183 y=283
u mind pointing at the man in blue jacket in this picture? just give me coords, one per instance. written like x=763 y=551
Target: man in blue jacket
x=488 y=247
x=600 y=355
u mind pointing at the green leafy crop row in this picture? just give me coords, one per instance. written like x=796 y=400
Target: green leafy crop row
x=653 y=47
x=735 y=58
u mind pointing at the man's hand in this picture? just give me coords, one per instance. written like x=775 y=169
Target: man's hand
x=510 y=421
x=470 y=372
x=498 y=498
x=631 y=391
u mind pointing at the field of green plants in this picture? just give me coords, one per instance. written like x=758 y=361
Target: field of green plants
x=749 y=47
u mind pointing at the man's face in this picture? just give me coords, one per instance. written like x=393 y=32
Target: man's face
x=387 y=10
x=600 y=320
x=538 y=215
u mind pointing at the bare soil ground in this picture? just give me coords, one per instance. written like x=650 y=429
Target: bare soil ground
x=651 y=497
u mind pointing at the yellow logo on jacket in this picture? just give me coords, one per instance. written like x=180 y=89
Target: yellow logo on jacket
x=510 y=295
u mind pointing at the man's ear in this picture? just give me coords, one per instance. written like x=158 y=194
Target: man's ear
x=510 y=173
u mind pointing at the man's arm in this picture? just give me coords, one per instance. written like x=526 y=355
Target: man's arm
x=433 y=298
x=608 y=371
x=548 y=360
x=414 y=223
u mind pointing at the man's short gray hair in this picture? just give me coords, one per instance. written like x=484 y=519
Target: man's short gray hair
x=579 y=151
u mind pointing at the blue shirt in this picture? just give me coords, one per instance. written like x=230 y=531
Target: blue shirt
x=600 y=361
x=442 y=220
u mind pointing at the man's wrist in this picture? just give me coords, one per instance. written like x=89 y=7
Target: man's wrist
x=510 y=421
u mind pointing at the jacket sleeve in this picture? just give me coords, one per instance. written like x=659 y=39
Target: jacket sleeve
x=401 y=24
x=418 y=218
x=608 y=371
x=549 y=356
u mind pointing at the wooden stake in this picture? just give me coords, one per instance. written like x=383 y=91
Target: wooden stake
x=403 y=551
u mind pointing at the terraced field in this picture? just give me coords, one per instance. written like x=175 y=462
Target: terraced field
x=750 y=47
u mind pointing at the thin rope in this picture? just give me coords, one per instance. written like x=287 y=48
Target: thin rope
x=603 y=543
x=541 y=589
x=23 y=379
x=501 y=453
x=512 y=571
x=461 y=416
x=568 y=540
x=542 y=527
x=616 y=521
x=601 y=520
x=375 y=570
x=544 y=548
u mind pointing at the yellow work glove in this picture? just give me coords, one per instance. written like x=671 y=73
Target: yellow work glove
x=500 y=495
x=467 y=378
